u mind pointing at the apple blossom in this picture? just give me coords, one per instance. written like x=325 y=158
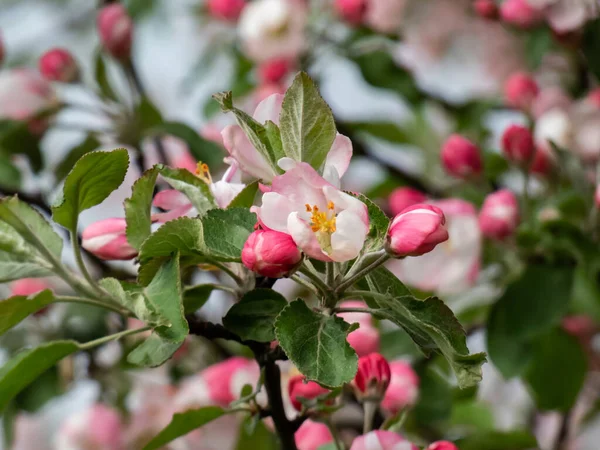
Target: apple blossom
x=275 y=70
x=115 y=28
x=352 y=11
x=416 y=231
x=403 y=389
x=365 y=339
x=299 y=388
x=565 y=15
x=99 y=427
x=373 y=375
x=29 y=286
x=460 y=157
x=442 y=445
x=324 y=222
x=550 y=98
x=58 y=65
x=253 y=163
x=486 y=9
x=499 y=214
x=176 y=204
x=272 y=29
x=553 y=126
x=312 y=435
x=228 y=10
x=517 y=144
x=520 y=13
x=107 y=240
x=403 y=197
x=271 y=253
x=385 y=16
x=382 y=440
x=520 y=90
x=23 y=94
x=452 y=266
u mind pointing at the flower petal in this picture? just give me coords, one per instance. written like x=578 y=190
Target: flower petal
x=338 y=158
x=304 y=237
x=349 y=237
x=269 y=109
x=274 y=211
x=225 y=192
x=170 y=199
x=249 y=159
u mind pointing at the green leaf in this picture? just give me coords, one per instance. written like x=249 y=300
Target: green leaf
x=30 y=225
x=153 y=352
x=27 y=365
x=256 y=133
x=202 y=149
x=92 y=179
x=10 y=175
x=138 y=208
x=388 y=131
x=135 y=300
x=430 y=323
x=147 y=115
x=193 y=187
x=194 y=298
x=531 y=306
x=183 y=235
x=15 y=267
x=435 y=397
x=15 y=138
x=498 y=440
x=253 y=317
x=14 y=309
x=317 y=344
x=245 y=199
x=226 y=232
x=102 y=78
x=557 y=371
x=274 y=137
x=591 y=37
x=306 y=123
x=89 y=144
x=255 y=435
x=379 y=224
x=183 y=423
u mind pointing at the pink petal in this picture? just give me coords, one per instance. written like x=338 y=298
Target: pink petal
x=305 y=238
x=249 y=159
x=170 y=199
x=269 y=109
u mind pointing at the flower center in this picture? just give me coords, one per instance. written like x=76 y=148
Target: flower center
x=203 y=172
x=323 y=221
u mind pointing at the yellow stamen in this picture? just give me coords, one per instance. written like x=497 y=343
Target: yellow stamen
x=203 y=172
x=322 y=221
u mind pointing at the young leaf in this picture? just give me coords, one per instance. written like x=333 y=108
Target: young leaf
x=134 y=300
x=92 y=179
x=138 y=208
x=14 y=309
x=102 y=78
x=306 y=123
x=253 y=317
x=379 y=223
x=29 y=364
x=148 y=115
x=10 y=175
x=226 y=231
x=89 y=144
x=193 y=187
x=153 y=352
x=15 y=267
x=317 y=344
x=245 y=199
x=183 y=235
x=183 y=423
x=195 y=297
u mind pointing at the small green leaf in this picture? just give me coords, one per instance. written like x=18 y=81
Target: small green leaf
x=29 y=364
x=89 y=144
x=255 y=435
x=498 y=440
x=183 y=235
x=245 y=199
x=10 y=175
x=134 y=299
x=317 y=344
x=102 y=78
x=202 y=149
x=253 y=317
x=226 y=232
x=14 y=309
x=138 y=208
x=14 y=267
x=306 y=123
x=194 y=298
x=15 y=138
x=193 y=187
x=379 y=224
x=92 y=179
x=557 y=371
x=153 y=352
x=183 y=423
x=148 y=115
x=274 y=137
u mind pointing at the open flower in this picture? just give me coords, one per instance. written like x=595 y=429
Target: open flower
x=253 y=163
x=177 y=204
x=324 y=222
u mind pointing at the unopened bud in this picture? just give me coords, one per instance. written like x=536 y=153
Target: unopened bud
x=520 y=14
x=520 y=90
x=115 y=28
x=486 y=9
x=271 y=253
x=499 y=215
x=107 y=240
x=228 y=10
x=403 y=197
x=298 y=388
x=59 y=65
x=518 y=145
x=442 y=445
x=460 y=157
x=373 y=376
x=274 y=71
x=352 y=11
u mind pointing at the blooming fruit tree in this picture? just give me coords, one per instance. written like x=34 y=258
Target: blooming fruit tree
x=292 y=222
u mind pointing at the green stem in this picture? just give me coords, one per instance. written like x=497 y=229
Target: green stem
x=335 y=435
x=81 y=264
x=305 y=284
x=316 y=279
x=112 y=337
x=354 y=310
x=369 y=408
x=92 y=302
x=220 y=287
x=228 y=271
x=353 y=278
x=329 y=274
x=526 y=199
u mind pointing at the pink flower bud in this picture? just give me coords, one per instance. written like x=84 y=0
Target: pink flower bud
x=520 y=90
x=365 y=339
x=373 y=375
x=298 y=388
x=416 y=231
x=28 y=286
x=519 y=13
x=517 y=144
x=442 y=445
x=403 y=389
x=353 y=11
x=228 y=10
x=225 y=380
x=486 y=9
x=460 y=157
x=274 y=70
x=58 y=65
x=594 y=97
x=542 y=163
x=403 y=197
x=597 y=196
x=271 y=253
x=382 y=440
x=115 y=28
x=106 y=239
x=312 y=435
x=499 y=215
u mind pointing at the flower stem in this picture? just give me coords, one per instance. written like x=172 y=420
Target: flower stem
x=369 y=408
x=334 y=434
x=350 y=279
x=92 y=302
x=316 y=279
x=78 y=257
x=305 y=284
x=112 y=337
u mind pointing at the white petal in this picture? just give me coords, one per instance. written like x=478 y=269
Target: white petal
x=275 y=210
x=269 y=109
x=304 y=237
x=349 y=237
x=339 y=156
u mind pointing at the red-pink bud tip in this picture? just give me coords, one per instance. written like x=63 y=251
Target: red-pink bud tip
x=520 y=14
x=352 y=11
x=299 y=388
x=520 y=90
x=271 y=253
x=518 y=145
x=373 y=375
x=58 y=65
x=403 y=197
x=499 y=215
x=115 y=28
x=274 y=71
x=227 y=10
x=442 y=445
x=486 y=9
x=461 y=157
